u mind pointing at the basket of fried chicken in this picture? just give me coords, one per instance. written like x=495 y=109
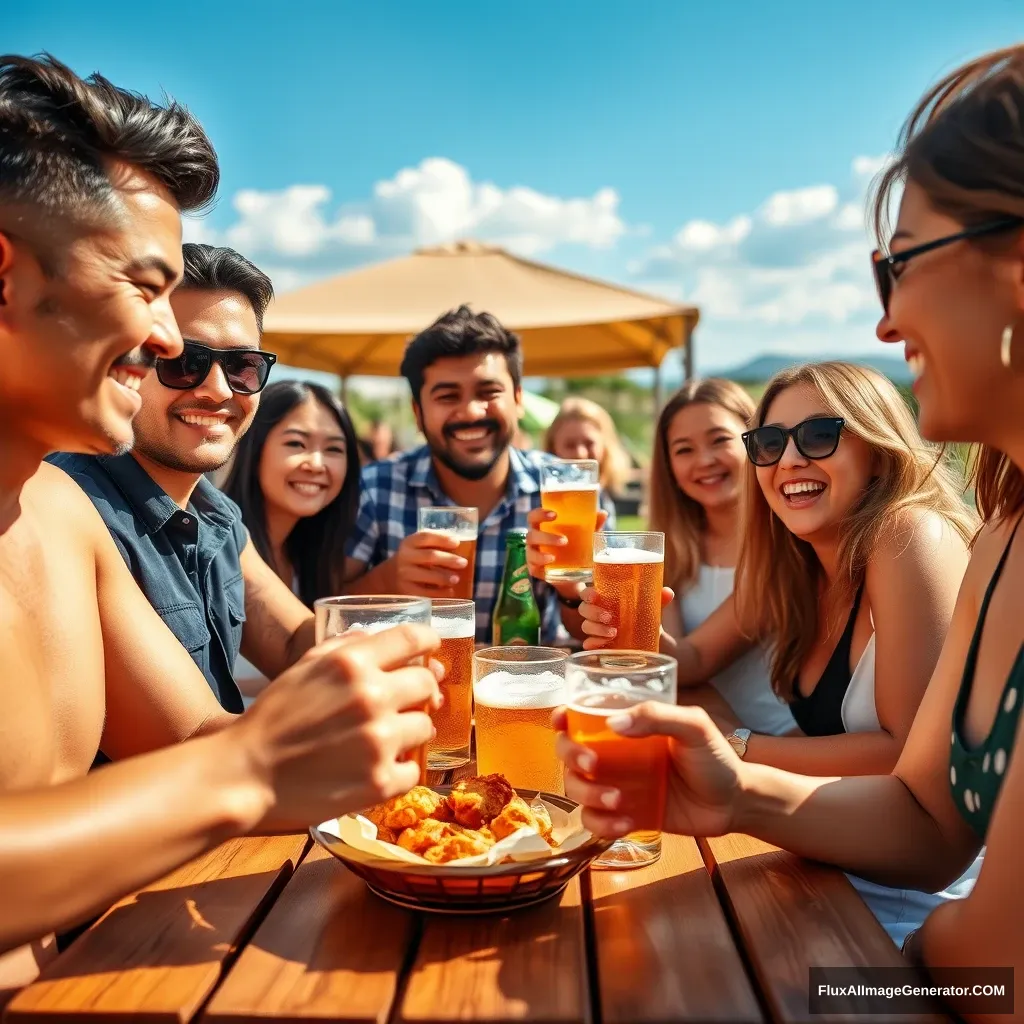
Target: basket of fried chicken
x=478 y=846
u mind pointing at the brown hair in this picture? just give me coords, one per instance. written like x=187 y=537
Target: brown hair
x=615 y=462
x=672 y=512
x=963 y=145
x=778 y=575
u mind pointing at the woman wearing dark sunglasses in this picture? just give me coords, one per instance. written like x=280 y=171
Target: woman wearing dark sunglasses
x=957 y=788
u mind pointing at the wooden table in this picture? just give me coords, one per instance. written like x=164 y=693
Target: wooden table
x=276 y=929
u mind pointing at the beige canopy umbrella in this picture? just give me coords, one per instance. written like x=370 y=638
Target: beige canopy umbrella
x=360 y=322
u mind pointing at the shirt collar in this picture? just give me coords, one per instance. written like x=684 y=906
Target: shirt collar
x=522 y=477
x=151 y=503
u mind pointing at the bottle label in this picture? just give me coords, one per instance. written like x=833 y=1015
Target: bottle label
x=520 y=587
x=519 y=572
x=515 y=641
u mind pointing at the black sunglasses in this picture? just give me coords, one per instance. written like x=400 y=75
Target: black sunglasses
x=246 y=369
x=816 y=438
x=885 y=266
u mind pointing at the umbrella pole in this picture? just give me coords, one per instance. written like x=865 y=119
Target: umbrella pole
x=657 y=390
x=343 y=391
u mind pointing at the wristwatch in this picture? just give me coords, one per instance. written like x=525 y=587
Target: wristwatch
x=738 y=741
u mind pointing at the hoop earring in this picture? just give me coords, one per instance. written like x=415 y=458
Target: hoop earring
x=1006 y=347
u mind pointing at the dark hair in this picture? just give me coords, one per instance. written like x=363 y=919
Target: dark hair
x=210 y=267
x=963 y=145
x=316 y=546
x=460 y=332
x=59 y=134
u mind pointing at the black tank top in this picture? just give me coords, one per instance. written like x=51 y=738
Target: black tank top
x=821 y=713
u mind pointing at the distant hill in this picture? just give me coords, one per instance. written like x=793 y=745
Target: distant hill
x=763 y=367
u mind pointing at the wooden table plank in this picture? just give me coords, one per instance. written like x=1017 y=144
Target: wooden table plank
x=529 y=965
x=157 y=955
x=792 y=914
x=329 y=949
x=664 y=948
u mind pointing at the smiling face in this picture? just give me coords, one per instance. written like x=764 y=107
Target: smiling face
x=196 y=431
x=77 y=343
x=304 y=462
x=578 y=439
x=706 y=454
x=813 y=497
x=949 y=308
x=468 y=411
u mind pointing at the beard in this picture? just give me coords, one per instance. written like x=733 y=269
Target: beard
x=475 y=470
x=196 y=462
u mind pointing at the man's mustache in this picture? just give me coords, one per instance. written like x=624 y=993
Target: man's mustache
x=451 y=429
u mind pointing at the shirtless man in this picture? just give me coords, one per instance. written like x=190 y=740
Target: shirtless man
x=92 y=184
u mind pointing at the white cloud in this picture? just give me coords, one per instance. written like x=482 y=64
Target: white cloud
x=869 y=166
x=801 y=206
x=307 y=233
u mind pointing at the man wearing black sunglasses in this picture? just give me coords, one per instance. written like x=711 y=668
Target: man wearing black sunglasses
x=182 y=538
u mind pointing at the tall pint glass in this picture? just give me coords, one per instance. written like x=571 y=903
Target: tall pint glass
x=462 y=525
x=515 y=689
x=569 y=488
x=629 y=572
x=599 y=684
x=335 y=616
x=454 y=621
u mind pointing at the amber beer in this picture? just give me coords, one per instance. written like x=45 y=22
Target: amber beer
x=461 y=524
x=455 y=623
x=569 y=488
x=638 y=768
x=629 y=572
x=514 y=701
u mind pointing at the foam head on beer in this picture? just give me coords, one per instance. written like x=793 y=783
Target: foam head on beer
x=627 y=556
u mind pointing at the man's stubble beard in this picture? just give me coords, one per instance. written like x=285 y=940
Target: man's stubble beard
x=475 y=472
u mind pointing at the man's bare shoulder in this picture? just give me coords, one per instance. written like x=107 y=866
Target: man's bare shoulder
x=52 y=497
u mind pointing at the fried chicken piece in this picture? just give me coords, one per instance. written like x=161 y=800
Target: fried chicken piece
x=476 y=802
x=463 y=842
x=519 y=814
x=405 y=811
x=423 y=835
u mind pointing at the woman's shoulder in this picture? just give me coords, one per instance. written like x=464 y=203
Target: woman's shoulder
x=919 y=531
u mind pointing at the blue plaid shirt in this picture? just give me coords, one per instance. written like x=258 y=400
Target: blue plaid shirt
x=393 y=490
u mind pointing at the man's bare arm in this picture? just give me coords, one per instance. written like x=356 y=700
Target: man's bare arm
x=279 y=628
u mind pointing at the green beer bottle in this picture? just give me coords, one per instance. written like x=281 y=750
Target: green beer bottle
x=516 y=617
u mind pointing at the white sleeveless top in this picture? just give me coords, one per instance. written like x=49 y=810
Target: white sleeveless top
x=746 y=683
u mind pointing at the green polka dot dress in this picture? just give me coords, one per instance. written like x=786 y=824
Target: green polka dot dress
x=976 y=776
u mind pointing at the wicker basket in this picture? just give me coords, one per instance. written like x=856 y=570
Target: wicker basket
x=490 y=889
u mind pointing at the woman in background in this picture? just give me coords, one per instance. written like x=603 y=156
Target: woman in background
x=295 y=477
x=697 y=472
x=583 y=430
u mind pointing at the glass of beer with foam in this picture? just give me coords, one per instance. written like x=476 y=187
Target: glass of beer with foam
x=629 y=572
x=599 y=684
x=569 y=488
x=335 y=616
x=454 y=621
x=515 y=690
x=461 y=524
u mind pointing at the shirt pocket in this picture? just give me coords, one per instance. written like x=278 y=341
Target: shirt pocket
x=235 y=600
x=187 y=623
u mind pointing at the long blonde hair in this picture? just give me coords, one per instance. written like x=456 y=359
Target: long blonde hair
x=672 y=512
x=778 y=576
x=614 y=463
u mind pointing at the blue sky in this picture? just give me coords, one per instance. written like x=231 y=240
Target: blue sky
x=716 y=153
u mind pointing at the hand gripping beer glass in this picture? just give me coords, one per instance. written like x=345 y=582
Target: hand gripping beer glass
x=569 y=488
x=515 y=689
x=454 y=621
x=461 y=524
x=629 y=571
x=599 y=684
x=335 y=616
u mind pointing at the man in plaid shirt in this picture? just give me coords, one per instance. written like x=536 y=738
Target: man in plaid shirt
x=465 y=373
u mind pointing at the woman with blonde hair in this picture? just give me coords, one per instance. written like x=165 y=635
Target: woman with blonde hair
x=696 y=482
x=855 y=541
x=583 y=430
x=951 y=283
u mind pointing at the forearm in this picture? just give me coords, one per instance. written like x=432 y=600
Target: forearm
x=856 y=753
x=691 y=670
x=378 y=580
x=70 y=851
x=300 y=641
x=869 y=825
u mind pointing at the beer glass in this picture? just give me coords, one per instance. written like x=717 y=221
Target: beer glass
x=515 y=689
x=335 y=616
x=599 y=684
x=454 y=621
x=461 y=525
x=629 y=571
x=569 y=488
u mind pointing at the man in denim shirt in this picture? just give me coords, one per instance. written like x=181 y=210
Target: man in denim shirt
x=182 y=538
